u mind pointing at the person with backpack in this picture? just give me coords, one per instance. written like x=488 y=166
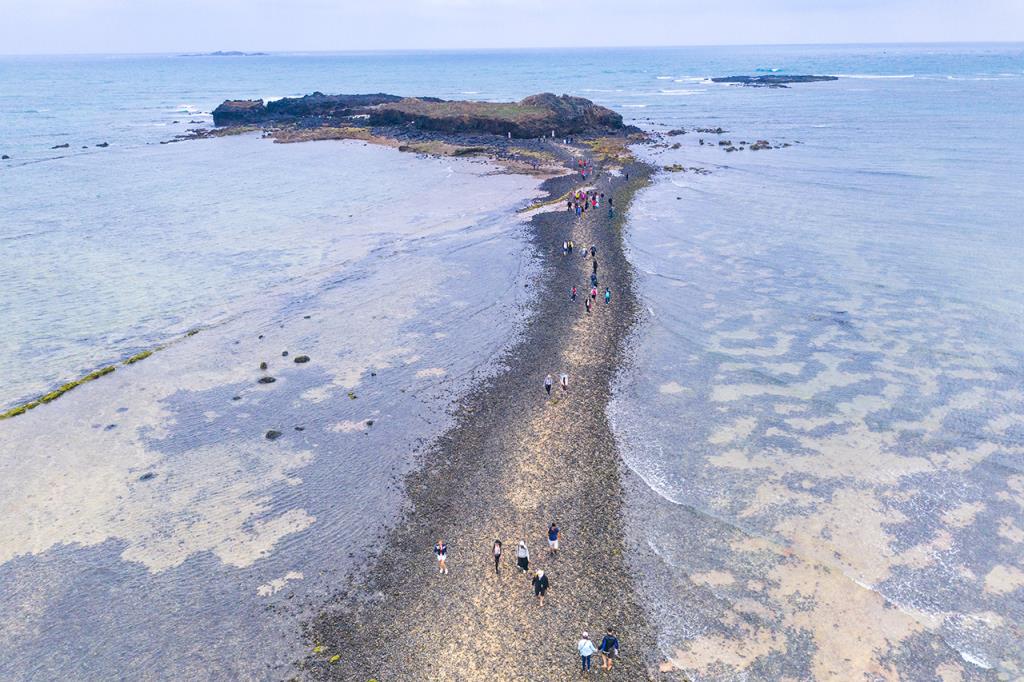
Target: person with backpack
x=548 y=381
x=609 y=649
x=607 y=295
x=497 y=555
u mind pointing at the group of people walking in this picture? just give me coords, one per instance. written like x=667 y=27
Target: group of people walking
x=582 y=200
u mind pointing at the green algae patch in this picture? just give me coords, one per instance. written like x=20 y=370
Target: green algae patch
x=53 y=395
x=139 y=356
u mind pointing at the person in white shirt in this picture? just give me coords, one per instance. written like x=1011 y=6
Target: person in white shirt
x=586 y=649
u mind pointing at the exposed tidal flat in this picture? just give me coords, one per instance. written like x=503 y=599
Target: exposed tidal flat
x=154 y=529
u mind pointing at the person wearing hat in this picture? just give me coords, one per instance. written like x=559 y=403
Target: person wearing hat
x=586 y=649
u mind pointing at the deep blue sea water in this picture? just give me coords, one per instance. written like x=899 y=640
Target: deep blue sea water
x=825 y=395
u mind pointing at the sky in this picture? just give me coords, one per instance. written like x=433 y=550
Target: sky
x=140 y=26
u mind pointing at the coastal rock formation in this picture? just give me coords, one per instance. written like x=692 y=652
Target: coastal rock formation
x=535 y=116
x=317 y=106
x=772 y=81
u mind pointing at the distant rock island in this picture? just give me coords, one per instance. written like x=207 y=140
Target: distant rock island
x=536 y=116
x=772 y=80
x=223 y=53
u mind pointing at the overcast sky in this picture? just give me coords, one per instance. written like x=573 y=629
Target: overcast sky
x=105 y=26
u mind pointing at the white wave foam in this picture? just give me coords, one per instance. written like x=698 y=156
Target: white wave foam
x=680 y=92
x=664 y=78
x=873 y=76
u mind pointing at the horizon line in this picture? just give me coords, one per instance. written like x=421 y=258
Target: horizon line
x=385 y=50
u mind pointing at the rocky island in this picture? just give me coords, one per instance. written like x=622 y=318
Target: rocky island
x=771 y=80
x=542 y=115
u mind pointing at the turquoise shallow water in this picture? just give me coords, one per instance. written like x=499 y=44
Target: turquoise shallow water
x=825 y=394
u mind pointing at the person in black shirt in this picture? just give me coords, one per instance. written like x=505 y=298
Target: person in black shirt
x=540 y=586
x=609 y=650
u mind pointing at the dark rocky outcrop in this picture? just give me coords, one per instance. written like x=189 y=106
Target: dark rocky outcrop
x=534 y=116
x=61 y=146
x=4 y=157
x=266 y=380
x=774 y=80
x=300 y=359
x=319 y=106
x=273 y=435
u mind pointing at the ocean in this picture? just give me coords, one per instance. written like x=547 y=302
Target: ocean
x=822 y=404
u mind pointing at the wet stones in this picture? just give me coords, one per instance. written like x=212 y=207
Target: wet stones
x=273 y=435
x=676 y=131
x=60 y=146
x=148 y=476
x=284 y=354
x=266 y=380
x=301 y=359
x=263 y=365
x=103 y=145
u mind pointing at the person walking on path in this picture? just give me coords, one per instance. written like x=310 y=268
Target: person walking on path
x=564 y=380
x=607 y=295
x=588 y=306
x=593 y=251
x=441 y=550
x=540 y=586
x=573 y=294
x=497 y=555
x=553 y=534
x=586 y=649
x=565 y=248
x=523 y=556
x=609 y=650
x=595 y=265
x=593 y=294
x=548 y=381
x=593 y=279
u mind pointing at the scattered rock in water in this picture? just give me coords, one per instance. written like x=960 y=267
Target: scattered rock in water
x=273 y=435
x=60 y=146
x=301 y=359
x=266 y=380
x=103 y=144
x=237 y=397
x=352 y=396
x=284 y=354
x=4 y=157
x=676 y=146
x=263 y=365
x=122 y=409
x=306 y=317
x=373 y=374
x=760 y=144
x=148 y=476
x=730 y=149
x=676 y=131
x=369 y=422
x=260 y=336
x=725 y=143
x=300 y=428
x=110 y=427
x=712 y=131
